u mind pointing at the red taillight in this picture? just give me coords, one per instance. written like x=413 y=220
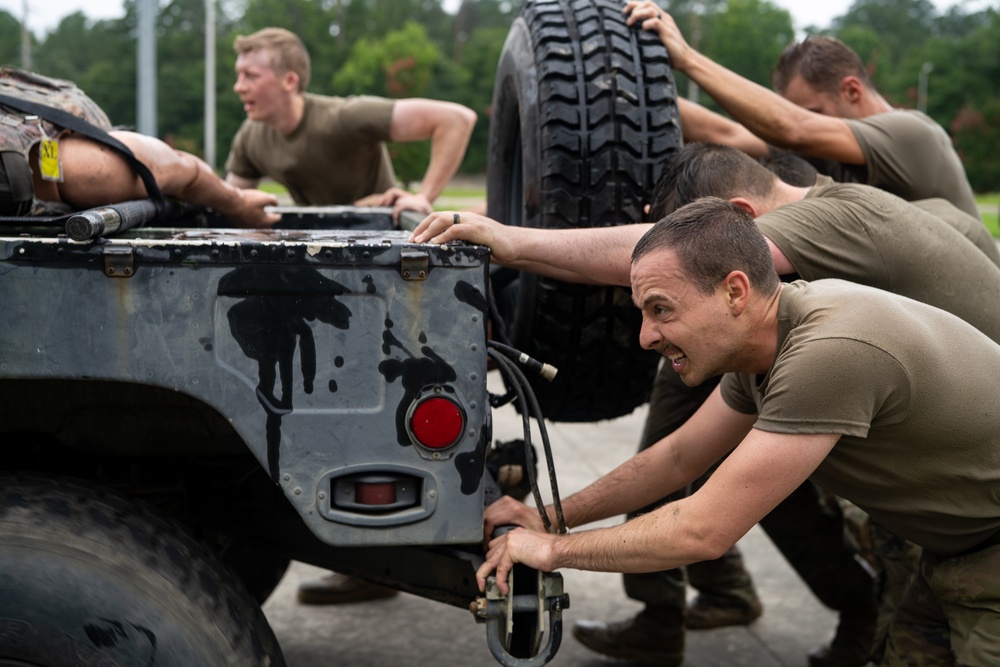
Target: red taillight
x=437 y=423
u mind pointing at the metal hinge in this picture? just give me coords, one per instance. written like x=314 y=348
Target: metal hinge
x=118 y=261
x=413 y=264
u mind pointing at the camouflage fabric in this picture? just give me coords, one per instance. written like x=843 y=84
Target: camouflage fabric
x=950 y=614
x=894 y=560
x=19 y=133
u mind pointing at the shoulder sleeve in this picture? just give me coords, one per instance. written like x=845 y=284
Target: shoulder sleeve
x=368 y=116
x=826 y=236
x=737 y=392
x=239 y=162
x=910 y=156
x=834 y=385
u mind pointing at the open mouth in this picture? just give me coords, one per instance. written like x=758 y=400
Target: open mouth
x=677 y=360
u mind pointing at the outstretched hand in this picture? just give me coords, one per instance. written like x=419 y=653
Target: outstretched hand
x=518 y=546
x=251 y=213
x=650 y=16
x=400 y=200
x=445 y=226
x=510 y=512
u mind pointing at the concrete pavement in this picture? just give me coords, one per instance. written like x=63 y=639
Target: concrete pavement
x=413 y=632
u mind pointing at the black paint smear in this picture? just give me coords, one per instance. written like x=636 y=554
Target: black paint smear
x=416 y=373
x=470 y=467
x=370 y=282
x=270 y=322
x=470 y=294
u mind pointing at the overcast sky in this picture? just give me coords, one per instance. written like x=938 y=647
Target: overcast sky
x=44 y=15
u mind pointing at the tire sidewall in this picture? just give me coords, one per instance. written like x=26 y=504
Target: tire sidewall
x=90 y=578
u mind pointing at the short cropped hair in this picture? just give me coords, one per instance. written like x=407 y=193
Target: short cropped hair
x=789 y=167
x=712 y=238
x=288 y=53
x=708 y=170
x=822 y=62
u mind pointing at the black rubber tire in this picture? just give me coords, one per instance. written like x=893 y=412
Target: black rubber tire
x=584 y=114
x=260 y=571
x=88 y=577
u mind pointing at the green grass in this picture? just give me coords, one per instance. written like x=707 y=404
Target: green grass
x=991 y=215
x=268 y=185
x=992 y=222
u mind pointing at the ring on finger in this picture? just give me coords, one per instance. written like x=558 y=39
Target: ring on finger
x=456 y=218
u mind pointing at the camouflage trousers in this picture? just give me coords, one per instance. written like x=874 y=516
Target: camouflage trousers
x=950 y=614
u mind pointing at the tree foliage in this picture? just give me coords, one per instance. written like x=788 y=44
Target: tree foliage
x=401 y=48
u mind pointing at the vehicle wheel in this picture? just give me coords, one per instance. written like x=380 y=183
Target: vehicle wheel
x=88 y=577
x=260 y=571
x=584 y=114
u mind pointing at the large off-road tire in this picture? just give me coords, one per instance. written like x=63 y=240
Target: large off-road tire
x=88 y=577
x=584 y=114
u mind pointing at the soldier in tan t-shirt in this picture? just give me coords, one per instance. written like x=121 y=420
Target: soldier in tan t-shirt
x=329 y=150
x=874 y=395
x=826 y=107
x=847 y=231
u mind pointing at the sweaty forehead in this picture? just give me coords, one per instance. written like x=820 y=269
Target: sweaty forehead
x=656 y=275
x=255 y=59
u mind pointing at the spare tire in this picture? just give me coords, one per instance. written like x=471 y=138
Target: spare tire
x=584 y=114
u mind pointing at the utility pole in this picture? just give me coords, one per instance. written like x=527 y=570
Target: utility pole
x=25 y=38
x=210 y=83
x=925 y=70
x=146 y=69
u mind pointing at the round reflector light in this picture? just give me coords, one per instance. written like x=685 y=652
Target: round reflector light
x=437 y=423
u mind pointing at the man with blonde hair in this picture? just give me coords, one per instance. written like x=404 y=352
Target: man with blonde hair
x=331 y=150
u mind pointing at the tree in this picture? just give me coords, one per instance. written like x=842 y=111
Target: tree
x=902 y=25
x=748 y=37
x=399 y=65
x=977 y=136
x=10 y=38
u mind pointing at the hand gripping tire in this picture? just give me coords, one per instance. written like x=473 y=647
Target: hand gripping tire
x=584 y=114
x=88 y=577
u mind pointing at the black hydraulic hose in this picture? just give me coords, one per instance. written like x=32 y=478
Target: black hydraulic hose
x=523 y=388
x=508 y=367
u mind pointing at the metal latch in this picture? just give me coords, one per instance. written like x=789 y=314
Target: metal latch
x=118 y=261
x=413 y=264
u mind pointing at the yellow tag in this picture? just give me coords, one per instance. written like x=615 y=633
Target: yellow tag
x=49 y=158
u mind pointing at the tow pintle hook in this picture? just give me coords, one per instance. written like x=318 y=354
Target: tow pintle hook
x=515 y=623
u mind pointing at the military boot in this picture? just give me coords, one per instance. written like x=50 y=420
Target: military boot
x=654 y=637
x=852 y=644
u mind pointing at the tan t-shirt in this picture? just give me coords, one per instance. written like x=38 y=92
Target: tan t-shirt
x=971 y=227
x=868 y=236
x=908 y=387
x=336 y=155
x=911 y=156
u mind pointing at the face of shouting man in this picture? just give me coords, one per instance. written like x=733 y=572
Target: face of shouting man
x=264 y=92
x=695 y=330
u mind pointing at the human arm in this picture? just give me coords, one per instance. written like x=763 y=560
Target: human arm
x=704 y=125
x=763 y=112
x=762 y=470
x=94 y=174
x=600 y=255
x=449 y=127
x=241 y=182
x=782 y=265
